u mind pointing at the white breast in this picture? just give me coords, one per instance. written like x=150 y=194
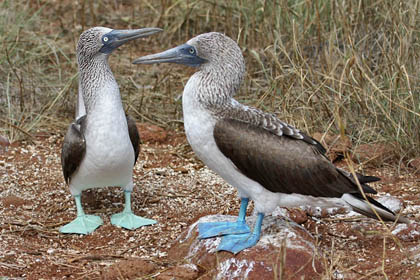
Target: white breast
x=109 y=156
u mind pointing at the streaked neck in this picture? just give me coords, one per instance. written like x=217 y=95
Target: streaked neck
x=215 y=88
x=97 y=81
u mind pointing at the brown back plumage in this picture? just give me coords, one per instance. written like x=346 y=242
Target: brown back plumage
x=281 y=163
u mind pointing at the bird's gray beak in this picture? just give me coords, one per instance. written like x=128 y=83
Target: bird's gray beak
x=116 y=38
x=183 y=54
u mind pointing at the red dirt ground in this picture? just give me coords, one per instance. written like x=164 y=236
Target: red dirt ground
x=173 y=187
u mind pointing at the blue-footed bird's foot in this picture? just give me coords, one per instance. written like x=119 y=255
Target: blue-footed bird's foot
x=206 y=230
x=130 y=221
x=83 y=224
x=237 y=243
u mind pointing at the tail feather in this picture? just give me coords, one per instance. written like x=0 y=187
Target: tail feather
x=363 y=179
x=360 y=205
x=372 y=201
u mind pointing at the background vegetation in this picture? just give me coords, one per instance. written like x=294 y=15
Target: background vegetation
x=348 y=67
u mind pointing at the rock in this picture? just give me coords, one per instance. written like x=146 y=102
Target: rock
x=285 y=251
x=181 y=169
x=324 y=212
x=391 y=202
x=407 y=232
x=297 y=215
x=415 y=255
x=150 y=133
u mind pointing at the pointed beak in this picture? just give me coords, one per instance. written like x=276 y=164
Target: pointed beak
x=117 y=38
x=169 y=56
x=179 y=55
x=123 y=36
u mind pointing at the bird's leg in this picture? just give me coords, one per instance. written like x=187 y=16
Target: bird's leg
x=127 y=219
x=127 y=205
x=79 y=207
x=83 y=224
x=242 y=209
x=213 y=229
x=239 y=242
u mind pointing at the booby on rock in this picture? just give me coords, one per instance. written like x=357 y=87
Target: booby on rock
x=267 y=160
x=102 y=145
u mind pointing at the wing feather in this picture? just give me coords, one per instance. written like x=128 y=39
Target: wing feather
x=282 y=163
x=134 y=136
x=74 y=148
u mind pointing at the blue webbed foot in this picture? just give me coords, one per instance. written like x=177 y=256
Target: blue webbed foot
x=127 y=219
x=214 y=229
x=130 y=221
x=83 y=224
x=237 y=243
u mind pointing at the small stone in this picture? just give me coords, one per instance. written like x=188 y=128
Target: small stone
x=390 y=202
x=183 y=170
x=298 y=215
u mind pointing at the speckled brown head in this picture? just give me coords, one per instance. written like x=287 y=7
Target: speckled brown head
x=218 y=58
x=102 y=40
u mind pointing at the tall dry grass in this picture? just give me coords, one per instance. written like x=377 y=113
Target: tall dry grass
x=345 y=67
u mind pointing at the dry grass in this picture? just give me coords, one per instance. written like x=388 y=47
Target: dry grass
x=346 y=67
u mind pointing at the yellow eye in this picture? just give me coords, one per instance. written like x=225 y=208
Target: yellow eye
x=105 y=39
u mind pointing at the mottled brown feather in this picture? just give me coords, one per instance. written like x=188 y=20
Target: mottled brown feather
x=281 y=163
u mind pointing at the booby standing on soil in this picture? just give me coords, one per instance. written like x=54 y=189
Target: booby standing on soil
x=102 y=145
x=266 y=159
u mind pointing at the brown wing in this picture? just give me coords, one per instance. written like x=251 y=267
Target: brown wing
x=74 y=147
x=281 y=163
x=134 y=137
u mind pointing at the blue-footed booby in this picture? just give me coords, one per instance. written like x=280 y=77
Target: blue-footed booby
x=266 y=159
x=101 y=147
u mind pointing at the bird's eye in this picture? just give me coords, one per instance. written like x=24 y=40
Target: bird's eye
x=192 y=51
x=105 y=39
